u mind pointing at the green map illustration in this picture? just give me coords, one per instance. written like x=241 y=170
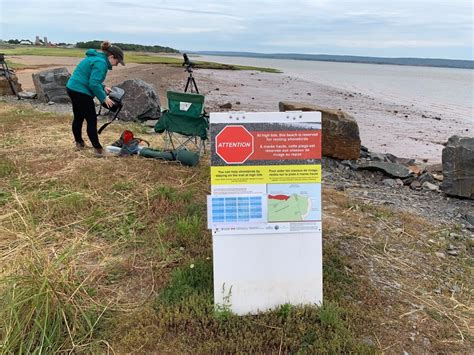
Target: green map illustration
x=294 y=202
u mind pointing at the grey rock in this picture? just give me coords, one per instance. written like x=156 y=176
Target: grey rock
x=469 y=217
x=349 y=163
x=429 y=186
x=426 y=177
x=390 y=169
x=453 y=252
x=408 y=181
x=50 y=85
x=394 y=159
x=27 y=95
x=377 y=157
x=389 y=182
x=458 y=167
x=140 y=101
x=399 y=182
x=150 y=123
x=364 y=153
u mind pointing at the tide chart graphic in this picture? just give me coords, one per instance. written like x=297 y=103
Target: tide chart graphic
x=234 y=209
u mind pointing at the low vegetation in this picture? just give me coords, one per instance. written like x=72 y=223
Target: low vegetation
x=113 y=255
x=129 y=47
x=130 y=57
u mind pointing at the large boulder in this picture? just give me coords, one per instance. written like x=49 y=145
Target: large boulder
x=341 y=138
x=458 y=167
x=140 y=101
x=50 y=85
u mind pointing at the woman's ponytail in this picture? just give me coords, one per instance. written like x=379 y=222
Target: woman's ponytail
x=105 y=46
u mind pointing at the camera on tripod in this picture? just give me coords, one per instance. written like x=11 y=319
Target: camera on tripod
x=191 y=83
x=189 y=65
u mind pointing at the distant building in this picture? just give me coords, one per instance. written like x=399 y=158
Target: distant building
x=26 y=42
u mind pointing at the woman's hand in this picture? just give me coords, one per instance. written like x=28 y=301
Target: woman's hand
x=107 y=90
x=108 y=102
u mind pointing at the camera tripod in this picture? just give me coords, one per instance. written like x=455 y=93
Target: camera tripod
x=191 y=83
x=6 y=71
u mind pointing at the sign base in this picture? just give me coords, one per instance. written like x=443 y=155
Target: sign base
x=257 y=272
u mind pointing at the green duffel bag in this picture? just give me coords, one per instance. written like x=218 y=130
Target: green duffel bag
x=184 y=156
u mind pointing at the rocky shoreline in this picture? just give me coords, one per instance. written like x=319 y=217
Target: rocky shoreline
x=385 y=126
x=413 y=191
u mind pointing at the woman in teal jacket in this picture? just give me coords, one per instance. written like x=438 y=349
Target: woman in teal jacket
x=86 y=83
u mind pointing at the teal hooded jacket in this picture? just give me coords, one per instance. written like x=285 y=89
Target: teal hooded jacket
x=89 y=75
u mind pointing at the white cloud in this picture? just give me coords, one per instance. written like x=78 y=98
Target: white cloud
x=252 y=25
x=144 y=29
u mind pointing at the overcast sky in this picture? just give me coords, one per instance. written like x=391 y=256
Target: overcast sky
x=386 y=28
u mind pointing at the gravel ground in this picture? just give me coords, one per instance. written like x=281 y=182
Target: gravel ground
x=369 y=187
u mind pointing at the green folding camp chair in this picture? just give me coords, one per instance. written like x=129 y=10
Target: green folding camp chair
x=184 y=124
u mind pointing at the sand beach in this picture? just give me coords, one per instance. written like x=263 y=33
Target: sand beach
x=385 y=126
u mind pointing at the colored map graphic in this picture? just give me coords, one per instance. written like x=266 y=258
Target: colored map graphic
x=294 y=202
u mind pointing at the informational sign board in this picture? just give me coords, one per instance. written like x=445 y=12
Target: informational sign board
x=265 y=209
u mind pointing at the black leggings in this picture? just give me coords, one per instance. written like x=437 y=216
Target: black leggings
x=83 y=107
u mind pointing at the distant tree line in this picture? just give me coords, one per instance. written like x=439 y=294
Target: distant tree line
x=128 y=47
x=27 y=41
x=18 y=41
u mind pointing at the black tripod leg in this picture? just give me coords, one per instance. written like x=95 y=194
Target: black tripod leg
x=187 y=84
x=195 y=85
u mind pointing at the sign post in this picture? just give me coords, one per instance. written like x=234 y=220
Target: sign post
x=265 y=209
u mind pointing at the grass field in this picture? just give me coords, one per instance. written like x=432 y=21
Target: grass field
x=130 y=57
x=113 y=255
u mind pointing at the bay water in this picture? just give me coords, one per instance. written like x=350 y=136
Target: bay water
x=446 y=91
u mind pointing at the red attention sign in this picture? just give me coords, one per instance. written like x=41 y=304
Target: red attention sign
x=234 y=144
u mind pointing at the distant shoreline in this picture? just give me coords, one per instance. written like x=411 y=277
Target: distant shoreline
x=419 y=62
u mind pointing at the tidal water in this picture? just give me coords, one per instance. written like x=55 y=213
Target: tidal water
x=447 y=91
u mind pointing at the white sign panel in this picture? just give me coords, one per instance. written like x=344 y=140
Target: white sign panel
x=265 y=209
